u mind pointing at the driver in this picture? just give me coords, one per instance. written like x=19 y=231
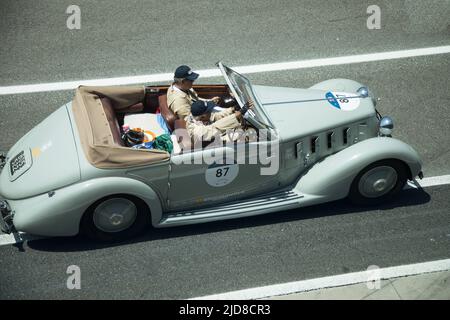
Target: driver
x=181 y=95
x=203 y=125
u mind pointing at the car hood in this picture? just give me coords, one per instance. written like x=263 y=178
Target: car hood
x=44 y=159
x=301 y=112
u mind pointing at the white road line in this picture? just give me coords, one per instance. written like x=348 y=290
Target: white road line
x=426 y=182
x=208 y=73
x=16 y=238
x=429 y=182
x=331 y=281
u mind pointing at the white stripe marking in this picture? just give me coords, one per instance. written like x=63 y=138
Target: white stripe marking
x=331 y=281
x=16 y=238
x=208 y=73
x=426 y=182
x=429 y=182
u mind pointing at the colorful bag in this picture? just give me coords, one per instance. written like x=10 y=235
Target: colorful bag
x=163 y=142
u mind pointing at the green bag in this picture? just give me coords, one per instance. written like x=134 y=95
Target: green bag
x=163 y=142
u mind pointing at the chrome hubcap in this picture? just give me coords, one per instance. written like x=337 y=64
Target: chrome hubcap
x=377 y=181
x=115 y=215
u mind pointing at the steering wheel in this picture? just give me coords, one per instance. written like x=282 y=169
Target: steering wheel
x=228 y=102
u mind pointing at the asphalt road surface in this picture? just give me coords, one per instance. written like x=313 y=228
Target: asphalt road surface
x=145 y=37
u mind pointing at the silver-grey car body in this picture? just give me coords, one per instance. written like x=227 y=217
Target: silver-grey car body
x=327 y=136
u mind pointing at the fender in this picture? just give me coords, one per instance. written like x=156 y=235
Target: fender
x=40 y=214
x=345 y=85
x=331 y=178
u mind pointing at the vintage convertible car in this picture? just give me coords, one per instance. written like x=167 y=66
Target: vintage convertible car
x=72 y=172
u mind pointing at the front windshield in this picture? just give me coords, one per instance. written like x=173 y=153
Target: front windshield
x=244 y=91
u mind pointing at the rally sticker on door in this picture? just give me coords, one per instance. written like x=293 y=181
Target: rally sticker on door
x=221 y=175
x=343 y=101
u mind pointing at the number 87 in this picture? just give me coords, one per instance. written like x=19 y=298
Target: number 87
x=219 y=172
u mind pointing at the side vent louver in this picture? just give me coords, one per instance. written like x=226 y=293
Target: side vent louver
x=314 y=142
x=345 y=135
x=330 y=140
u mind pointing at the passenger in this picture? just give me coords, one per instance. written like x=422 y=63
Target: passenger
x=204 y=125
x=181 y=95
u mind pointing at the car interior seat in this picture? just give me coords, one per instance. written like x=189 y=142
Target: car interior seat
x=111 y=116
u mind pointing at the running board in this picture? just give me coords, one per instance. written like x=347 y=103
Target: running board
x=272 y=202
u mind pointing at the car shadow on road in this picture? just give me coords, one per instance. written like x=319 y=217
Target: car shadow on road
x=407 y=198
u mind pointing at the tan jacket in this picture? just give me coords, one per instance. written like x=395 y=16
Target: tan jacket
x=180 y=102
x=218 y=125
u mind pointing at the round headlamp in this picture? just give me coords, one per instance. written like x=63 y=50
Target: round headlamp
x=363 y=92
x=386 y=126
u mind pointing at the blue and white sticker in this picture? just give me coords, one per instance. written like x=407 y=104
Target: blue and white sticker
x=343 y=100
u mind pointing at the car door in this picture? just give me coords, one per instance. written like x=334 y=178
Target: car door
x=219 y=175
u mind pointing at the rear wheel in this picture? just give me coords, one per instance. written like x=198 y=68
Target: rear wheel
x=115 y=217
x=378 y=182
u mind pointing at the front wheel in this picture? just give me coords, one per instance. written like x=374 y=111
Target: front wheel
x=115 y=217
x=378 y=182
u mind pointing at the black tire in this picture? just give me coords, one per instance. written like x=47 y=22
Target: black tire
x=401 y=170
x=141 y=222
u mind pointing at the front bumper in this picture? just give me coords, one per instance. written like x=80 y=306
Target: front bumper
x=6 y=217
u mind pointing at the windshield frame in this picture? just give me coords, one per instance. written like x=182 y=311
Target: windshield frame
x=261 y=118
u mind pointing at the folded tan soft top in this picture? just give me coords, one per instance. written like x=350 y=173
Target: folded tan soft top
x=95 y=132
